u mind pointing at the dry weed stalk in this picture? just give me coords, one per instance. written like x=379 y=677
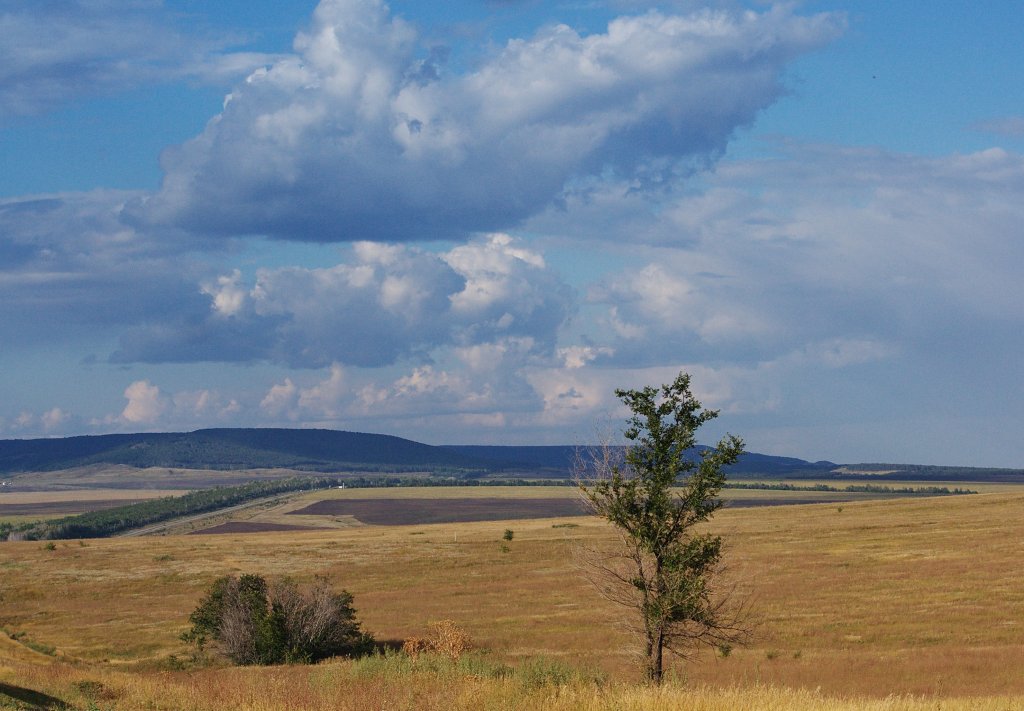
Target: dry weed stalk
x=415 y=646
x=447 y=639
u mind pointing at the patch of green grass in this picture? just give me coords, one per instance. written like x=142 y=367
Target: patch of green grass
x=22 y=638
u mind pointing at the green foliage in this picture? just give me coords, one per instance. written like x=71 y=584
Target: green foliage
x=252 y=622
x=22 y=638
x=668 y=566
x=508 y=535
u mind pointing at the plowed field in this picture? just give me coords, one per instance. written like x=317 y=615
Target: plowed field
x=401 y=512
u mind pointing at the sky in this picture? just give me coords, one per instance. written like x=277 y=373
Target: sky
x=470 y=222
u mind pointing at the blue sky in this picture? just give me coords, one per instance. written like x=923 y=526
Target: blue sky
x=470 y=222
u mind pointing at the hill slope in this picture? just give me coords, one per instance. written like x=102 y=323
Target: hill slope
x=322 y=450
x=226 y=449
x=561 y=458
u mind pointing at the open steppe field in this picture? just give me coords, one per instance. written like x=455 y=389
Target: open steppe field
x=18 y=506
x=47 y=495
x=855 y=603
x=117 y=476
x=347 y=507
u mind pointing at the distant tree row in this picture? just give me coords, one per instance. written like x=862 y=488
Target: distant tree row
x=109 y=522
x=852 y=488
x=927 y=472
x=101 y=524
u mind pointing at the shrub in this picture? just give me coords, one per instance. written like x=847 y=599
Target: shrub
x=447 y=639
x=252 y=622
x=94 y=690
x=509 y=533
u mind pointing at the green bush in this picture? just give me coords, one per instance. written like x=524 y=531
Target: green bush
x=251 y=622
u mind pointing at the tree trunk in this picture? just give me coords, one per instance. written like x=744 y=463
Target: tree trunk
x=649 y=655
x=656 y=661
x=654 y=653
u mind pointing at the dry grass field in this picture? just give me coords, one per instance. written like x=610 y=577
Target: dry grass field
x=557 y=500
x=896 y=604
x=19 y=506
x=118 y=476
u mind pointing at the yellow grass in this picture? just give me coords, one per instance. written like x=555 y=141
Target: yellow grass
x=339 y=685
x=70 y=502
x=117 y=476
x=342 y=685
x=860 y=608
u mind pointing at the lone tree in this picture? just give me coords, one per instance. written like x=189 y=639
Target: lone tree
x=656 y=491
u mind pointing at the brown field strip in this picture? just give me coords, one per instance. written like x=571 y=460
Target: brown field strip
x=417 y=511
x=83 y=495
x=62 y=507
x=251 y=527
x=908 y=596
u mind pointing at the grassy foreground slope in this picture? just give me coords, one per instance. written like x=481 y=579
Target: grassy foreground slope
x=907 y=597
x=356 y=686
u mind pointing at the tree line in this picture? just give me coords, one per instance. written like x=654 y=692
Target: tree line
x=109 y=522
x=852 y=488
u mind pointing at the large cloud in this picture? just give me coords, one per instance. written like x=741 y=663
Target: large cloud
x=814 y=244
x=359 y=137
x=55 y=52
x=387 y=303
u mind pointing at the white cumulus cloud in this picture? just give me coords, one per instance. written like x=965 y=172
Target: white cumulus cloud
x=349 y=139
x=386 y=303
x=145 y=403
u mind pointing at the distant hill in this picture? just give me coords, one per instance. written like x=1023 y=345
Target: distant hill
x=321 y=450
x=560 y=458
x=227 y=449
